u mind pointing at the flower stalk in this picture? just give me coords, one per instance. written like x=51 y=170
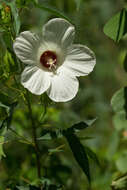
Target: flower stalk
x=34 y=132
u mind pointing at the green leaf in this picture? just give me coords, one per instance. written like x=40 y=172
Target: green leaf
x=78 y=3
x=47 y=185
x=10 y=65
x=115 y=28
x=113 y=144
x=22 y=188
x=7 y=40
x=121 y=162
x=5 y=100
x=119 y=105
x=50 y=134
x=78 y=152
x=55 y=150
x=53 y=187
x=92 y=155
x=52 y=10
x=120 y=183
x=82 y=125
x=125 y=63
x=120 y=121
x=7 y=121
x=15 y=15
x=2 y=154
x=45 y=137
x=31 y=187
x=119 y=100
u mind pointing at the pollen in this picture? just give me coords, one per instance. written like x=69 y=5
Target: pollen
x=49 y=60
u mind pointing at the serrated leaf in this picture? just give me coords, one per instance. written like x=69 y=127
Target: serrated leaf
x=92 y=155
x=115 y=28
x=78 y=152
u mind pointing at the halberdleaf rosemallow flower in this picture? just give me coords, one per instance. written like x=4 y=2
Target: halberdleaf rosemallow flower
x=53 y=63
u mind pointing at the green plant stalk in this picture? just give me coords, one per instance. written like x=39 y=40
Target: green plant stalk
x=22 y=137
x=34 y=132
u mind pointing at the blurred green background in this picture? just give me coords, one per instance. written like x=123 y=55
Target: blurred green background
x=92 y=100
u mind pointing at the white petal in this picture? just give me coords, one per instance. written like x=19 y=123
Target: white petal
x=63 y=88
x=59 y=31
x=80 y=60
x=35 y=80
x=26 y=46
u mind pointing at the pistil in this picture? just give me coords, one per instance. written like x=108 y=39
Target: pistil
x=49 y=60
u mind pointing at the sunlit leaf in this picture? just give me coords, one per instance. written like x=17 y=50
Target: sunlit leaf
x=2 y=154
x=120 y=183
x=55 y=150
x=115 y=28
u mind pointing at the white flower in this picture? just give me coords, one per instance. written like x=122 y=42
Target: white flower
x=53 y=62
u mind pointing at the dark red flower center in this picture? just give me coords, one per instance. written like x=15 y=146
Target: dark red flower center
x=48 y=59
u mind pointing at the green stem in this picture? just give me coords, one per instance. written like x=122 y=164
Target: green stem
x=22 y=137
x=37 y=150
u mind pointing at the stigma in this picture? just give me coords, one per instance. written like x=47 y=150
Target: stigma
x=49 y=60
